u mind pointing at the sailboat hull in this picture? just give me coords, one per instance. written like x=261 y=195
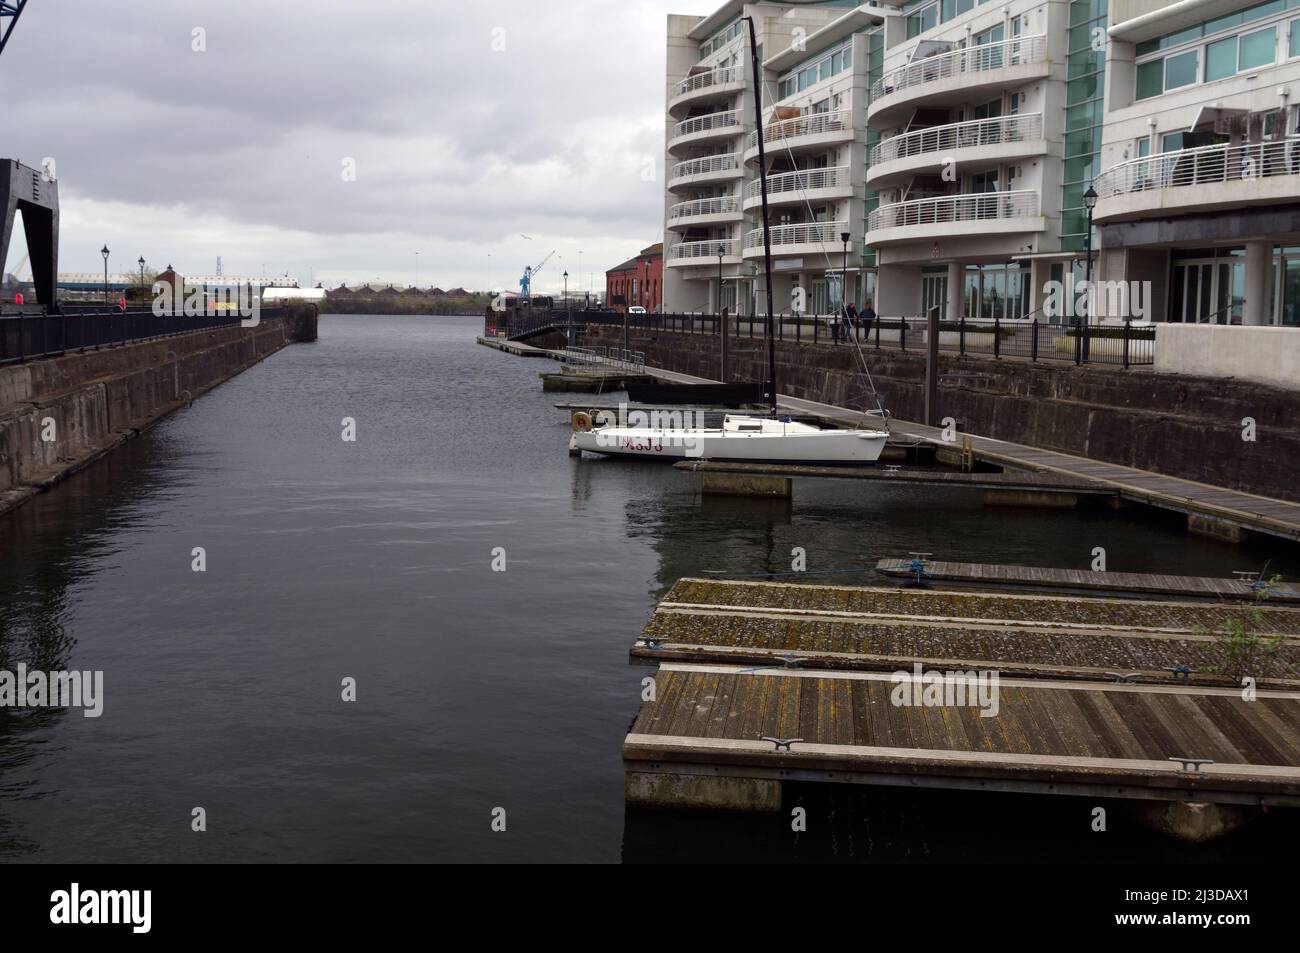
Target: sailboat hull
x=743 y=440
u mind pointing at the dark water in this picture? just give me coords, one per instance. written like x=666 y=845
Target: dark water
x=476 y=689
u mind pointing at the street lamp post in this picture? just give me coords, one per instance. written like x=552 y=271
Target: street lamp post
x=141 y=264
x=844 y=282
x=1089 y=202
x=568 y=331
x=722 y=250
x=104 y=251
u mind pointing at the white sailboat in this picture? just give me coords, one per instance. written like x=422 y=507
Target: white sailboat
x=749 y=439
x=740 y=439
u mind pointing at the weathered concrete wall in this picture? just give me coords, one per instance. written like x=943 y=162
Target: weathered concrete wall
x=94 y=401
x=1265 y=355
x=1184 y=426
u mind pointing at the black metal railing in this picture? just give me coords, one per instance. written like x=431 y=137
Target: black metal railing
x=1125 y=345
x=25 y=337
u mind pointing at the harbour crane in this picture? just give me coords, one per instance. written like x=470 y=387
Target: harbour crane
x=10 y=11
x=526 y=282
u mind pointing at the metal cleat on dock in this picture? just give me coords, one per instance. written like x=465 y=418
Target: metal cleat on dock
x=654 y=641
x=1125 y=678
x=917 y=567
x=1193 y=765
x=790 y=661
x=1184 y=671
x=780 y=742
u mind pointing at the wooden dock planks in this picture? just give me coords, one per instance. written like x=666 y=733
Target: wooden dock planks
x=743 y=660
x=1044 y=732
x=1052 y=578
x=935 y=477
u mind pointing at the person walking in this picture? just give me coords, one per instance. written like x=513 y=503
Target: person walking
x=851 y=321
x=835 y=329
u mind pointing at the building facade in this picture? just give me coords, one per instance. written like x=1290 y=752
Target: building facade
x=944 y=154
x=1199 y=176
x=637 y=282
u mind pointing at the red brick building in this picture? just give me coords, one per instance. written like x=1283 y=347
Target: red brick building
x=637 y=282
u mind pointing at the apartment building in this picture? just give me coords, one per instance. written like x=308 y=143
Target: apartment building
x=1198 y=181
x=944 y=154
x=713 y=243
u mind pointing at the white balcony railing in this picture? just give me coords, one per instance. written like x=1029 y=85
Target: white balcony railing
x=723 y=163
x=971 y=59
x=802 y=234
x=705 y=249
x=1204 y=165
x=811 y=124
x=720 y=205
x=960 y=135
x=715 y=77
x=719 y=120
x=800 y=181
x=945 y=209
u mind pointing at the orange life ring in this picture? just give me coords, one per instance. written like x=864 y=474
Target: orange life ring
x=581 y=421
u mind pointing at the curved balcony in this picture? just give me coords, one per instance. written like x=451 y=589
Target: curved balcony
x=974 y=145
x=808 y=238
x=949 y=216
x=808 y=133
x=711 y=211
x=696 y=172
x=797 y=187
x=703 y=253
x=1203 y=179
x=956 y=76
x=704 y=87
x=719 y=125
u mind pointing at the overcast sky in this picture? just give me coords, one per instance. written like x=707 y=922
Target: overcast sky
x=241 y=150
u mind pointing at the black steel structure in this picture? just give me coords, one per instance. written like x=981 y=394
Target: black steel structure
x=37 y=196
x=10 y=11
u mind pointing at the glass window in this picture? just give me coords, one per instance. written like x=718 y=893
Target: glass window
x=1150 y=79
x=1257 y=49
x=1295 y=39
x=1262 y=10
x=1221 y=59
x=1144 y=147
x=1171 y=142
x=1180 y=70
x=825 y=69
x=848 y=57
x=1088 y=87
x=1222 y=23
x=1173 y=39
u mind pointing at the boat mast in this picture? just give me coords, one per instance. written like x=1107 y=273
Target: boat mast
x=767 y=239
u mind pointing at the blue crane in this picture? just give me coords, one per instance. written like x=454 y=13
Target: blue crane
x=526 y=282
